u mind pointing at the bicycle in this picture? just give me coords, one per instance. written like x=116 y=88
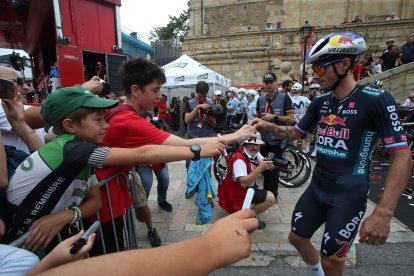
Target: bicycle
x=409 y=129
x=295 y=174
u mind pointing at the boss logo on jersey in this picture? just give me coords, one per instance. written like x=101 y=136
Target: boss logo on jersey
x=351 y=226
x=389 y=140
x=349 y=112
x=330 y=131
x=351 y=105
x=395 y=121
x=332 y=119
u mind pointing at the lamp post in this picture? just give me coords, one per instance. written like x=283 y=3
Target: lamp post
x=305 y=32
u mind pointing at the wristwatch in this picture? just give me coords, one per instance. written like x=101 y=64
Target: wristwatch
x=196 y=150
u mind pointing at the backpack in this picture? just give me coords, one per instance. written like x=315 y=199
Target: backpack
x=14 y=158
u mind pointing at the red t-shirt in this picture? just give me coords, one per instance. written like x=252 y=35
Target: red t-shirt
x=357 y=71
x=126 y=130
x=162 y=106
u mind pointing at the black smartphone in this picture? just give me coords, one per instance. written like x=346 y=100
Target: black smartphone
x=6 y=89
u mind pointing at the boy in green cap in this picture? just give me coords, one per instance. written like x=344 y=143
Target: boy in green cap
x=55 y=185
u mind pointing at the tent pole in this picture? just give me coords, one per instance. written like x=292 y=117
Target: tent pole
x=214 y=88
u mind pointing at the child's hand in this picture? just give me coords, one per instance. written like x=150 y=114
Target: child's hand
x=45 y=229
x=60 y=254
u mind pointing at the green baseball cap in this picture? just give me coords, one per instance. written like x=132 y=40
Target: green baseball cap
x=66 y=100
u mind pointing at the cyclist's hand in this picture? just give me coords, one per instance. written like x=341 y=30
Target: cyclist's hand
x=265 y=165
x=213 y=148
x=374 y=230
x=259 y=124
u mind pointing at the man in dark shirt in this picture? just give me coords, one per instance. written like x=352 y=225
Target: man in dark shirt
x=389 y=58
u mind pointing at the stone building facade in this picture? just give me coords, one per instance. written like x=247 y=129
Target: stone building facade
x=228 y=37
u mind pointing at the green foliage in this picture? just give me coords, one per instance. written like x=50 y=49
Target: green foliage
x=176 y=29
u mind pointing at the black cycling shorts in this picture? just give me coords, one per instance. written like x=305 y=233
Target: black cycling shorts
x=341 y=222
x=259 y=195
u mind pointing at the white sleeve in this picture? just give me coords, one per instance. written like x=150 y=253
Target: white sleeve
x=239 y=169
x=16 y=261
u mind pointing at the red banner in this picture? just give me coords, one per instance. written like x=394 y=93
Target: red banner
x=309 y=44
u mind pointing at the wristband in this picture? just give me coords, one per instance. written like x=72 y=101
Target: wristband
x=77 y=213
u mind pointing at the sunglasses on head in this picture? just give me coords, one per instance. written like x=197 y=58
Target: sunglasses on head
x=320 y=69
x=17 y=80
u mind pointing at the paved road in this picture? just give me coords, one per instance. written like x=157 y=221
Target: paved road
x=271 y=252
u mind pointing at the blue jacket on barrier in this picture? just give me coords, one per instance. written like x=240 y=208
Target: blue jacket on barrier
x=199 y=180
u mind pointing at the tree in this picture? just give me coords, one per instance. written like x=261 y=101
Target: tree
x=176 y=29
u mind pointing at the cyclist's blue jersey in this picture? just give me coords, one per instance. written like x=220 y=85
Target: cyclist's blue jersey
x=347 y=131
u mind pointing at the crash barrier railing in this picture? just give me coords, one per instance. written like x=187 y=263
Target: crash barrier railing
x=130 y=234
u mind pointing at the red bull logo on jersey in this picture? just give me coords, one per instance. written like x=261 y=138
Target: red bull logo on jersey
x=340 y=255
x=343 y=133
x=332 y=119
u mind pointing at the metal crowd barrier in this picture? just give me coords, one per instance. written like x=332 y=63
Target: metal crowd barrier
x=130 y=234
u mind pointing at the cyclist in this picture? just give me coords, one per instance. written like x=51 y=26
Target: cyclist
x=376 y=84
x=349 y=120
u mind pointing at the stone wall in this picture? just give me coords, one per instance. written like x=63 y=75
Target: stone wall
x=213 y=17
x=245 y=56
x=399 y=81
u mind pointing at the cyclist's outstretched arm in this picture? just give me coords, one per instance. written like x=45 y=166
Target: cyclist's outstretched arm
x=376 y=227
x=283 y=132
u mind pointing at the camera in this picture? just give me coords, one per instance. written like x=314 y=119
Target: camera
x=6 y=89
x=280 y=162
x=156 y=123
x=209 y=112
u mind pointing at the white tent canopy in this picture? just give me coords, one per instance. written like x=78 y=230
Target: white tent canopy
x=184 y=73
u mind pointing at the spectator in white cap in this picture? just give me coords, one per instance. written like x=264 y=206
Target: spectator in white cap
x=231 y=108
x=245 y=165
x=251 y=108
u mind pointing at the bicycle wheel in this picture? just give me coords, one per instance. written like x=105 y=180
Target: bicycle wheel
x=221 y=163
x=380 y=150
x=294 y=167
x=298 y=170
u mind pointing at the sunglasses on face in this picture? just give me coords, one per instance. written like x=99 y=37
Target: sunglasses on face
x=411 y=97
x=320 y=69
